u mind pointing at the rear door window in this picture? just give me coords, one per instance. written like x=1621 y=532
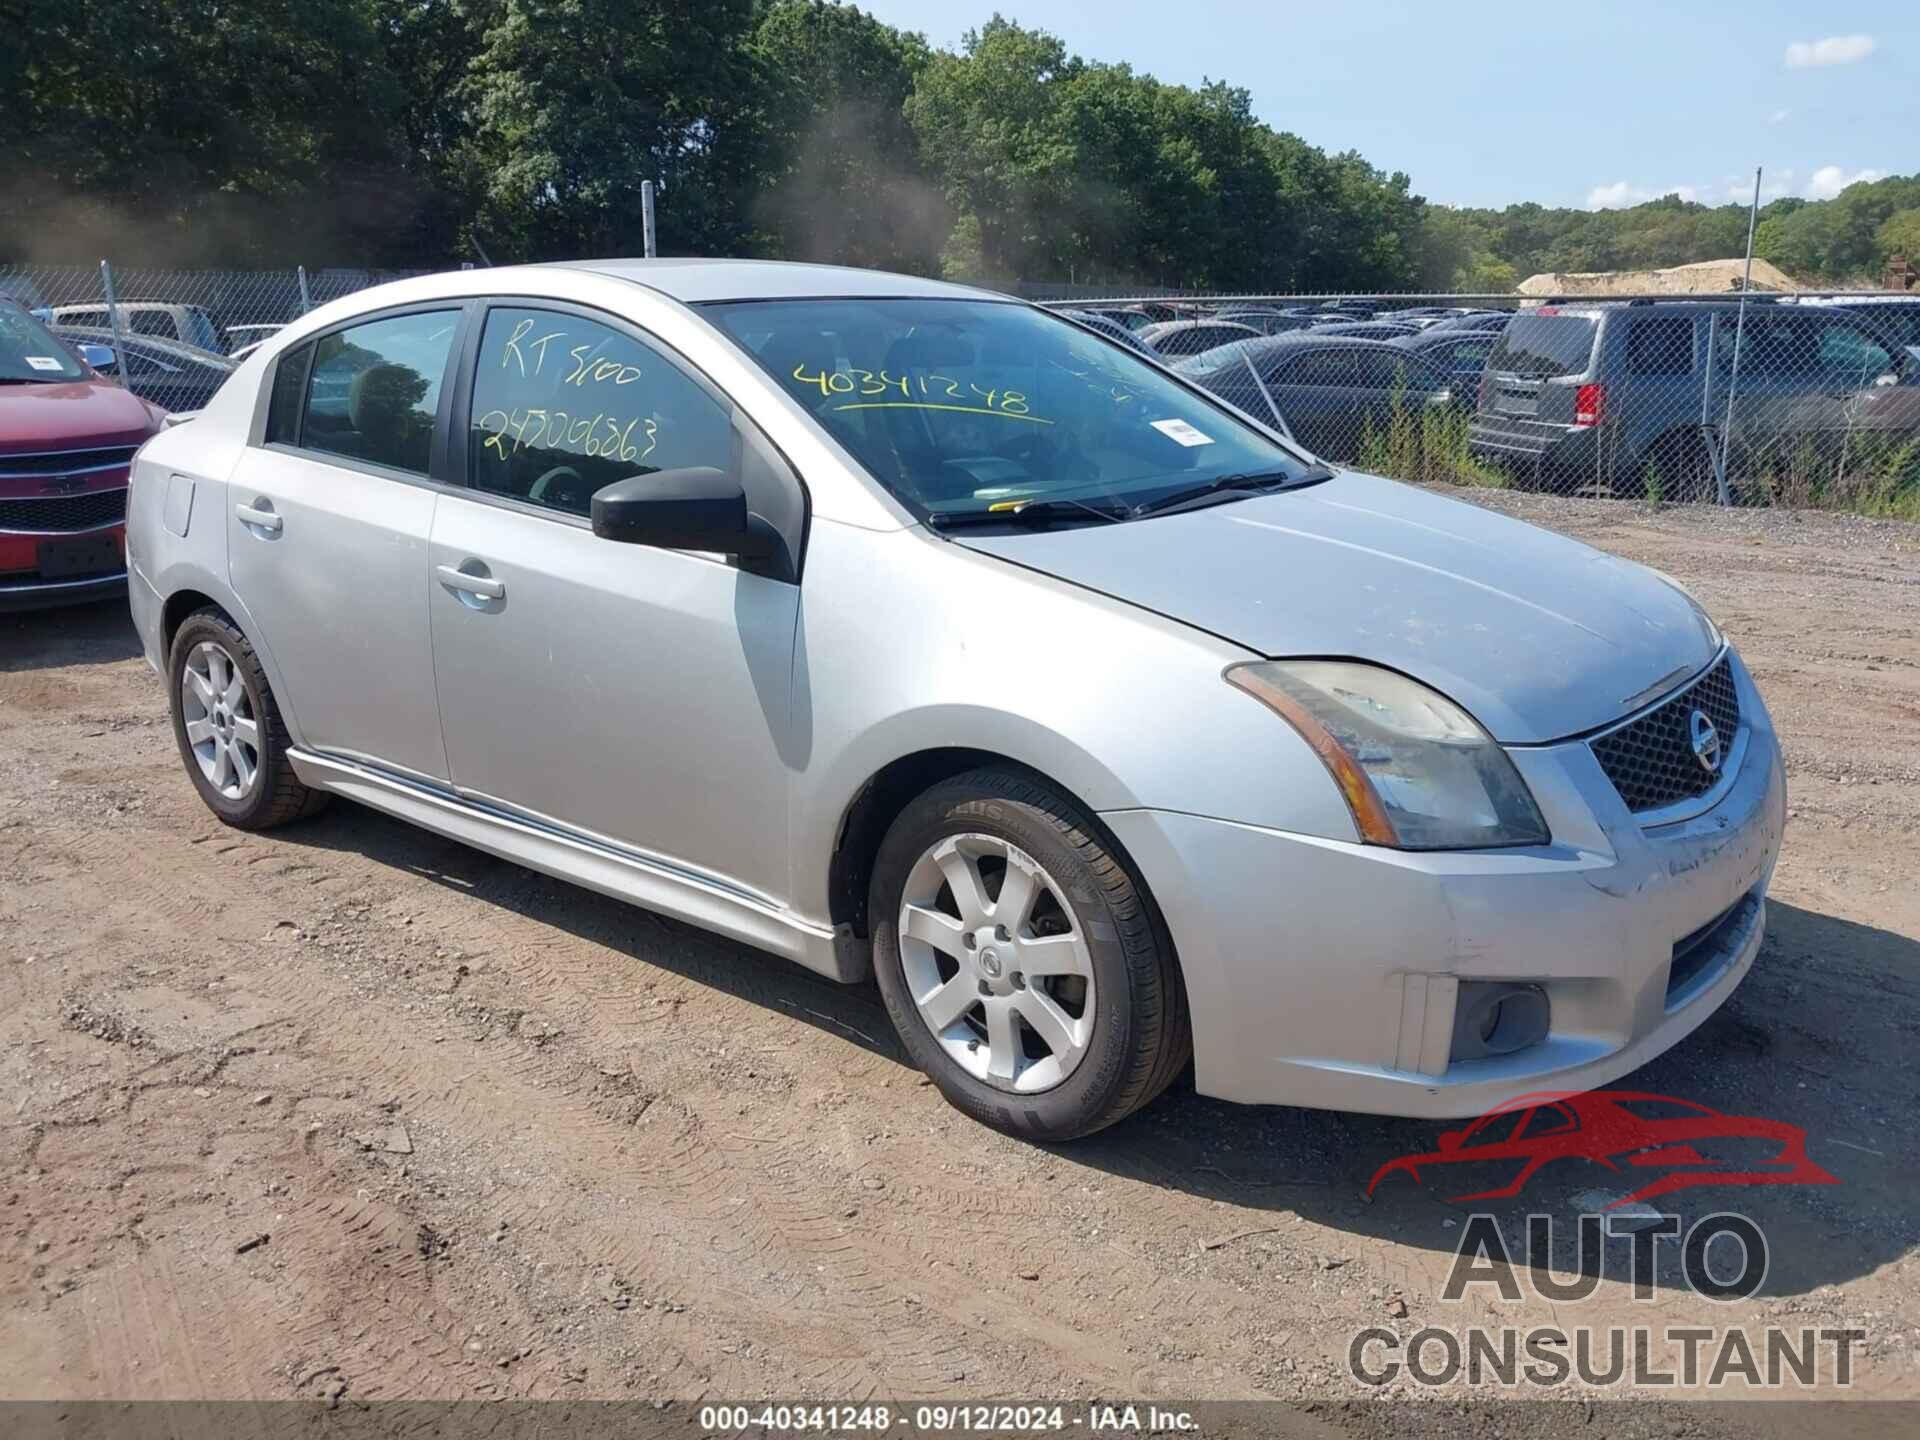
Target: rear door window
x=1660 y=345
x=1323 y=367
x=1545 y=346
x=375 y=390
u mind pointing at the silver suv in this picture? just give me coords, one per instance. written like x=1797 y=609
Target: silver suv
x=1612 y=397
x=912 y=632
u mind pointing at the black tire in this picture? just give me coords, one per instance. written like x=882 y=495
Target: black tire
x=1140 y=1036
x=276 y=795
x=1684 y=467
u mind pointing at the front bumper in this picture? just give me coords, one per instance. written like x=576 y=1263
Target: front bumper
x=1324 y=973
x=22 y=587
x=45 y=594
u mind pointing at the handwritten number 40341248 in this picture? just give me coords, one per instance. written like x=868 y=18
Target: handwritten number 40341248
x=932 y=389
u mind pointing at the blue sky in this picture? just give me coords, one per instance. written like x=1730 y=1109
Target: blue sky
x=1490 y=103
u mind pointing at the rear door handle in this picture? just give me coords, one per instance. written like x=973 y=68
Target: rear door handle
x=455 y=578
x=259 y=519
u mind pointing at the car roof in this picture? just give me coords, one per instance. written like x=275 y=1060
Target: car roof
x=1171 y=327
x=1312 y=340
x=1432 y=338
x=693 y=281
x=179 y=350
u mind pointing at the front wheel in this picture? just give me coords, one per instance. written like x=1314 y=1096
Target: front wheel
x=1020 y=960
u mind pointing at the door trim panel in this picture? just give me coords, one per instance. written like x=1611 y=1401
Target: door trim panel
x=710 y=902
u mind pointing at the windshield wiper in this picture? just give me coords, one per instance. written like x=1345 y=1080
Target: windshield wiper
x=1025 y=512
x=1228 y=486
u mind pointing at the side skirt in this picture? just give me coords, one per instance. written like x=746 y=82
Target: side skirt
x=583 y=861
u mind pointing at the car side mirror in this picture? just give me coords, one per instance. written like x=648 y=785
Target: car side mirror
x=693 y=509
x=100 y=357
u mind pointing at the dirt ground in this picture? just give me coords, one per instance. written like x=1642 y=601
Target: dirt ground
x=348 y=1111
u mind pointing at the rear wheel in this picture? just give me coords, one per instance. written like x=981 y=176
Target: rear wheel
x=1021 y=962
x=229 y=729
x=1678 y=468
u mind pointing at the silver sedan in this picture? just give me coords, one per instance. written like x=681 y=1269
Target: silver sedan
x=913 y=633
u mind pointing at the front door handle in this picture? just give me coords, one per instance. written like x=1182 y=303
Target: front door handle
x=259 y=518
x=457 y=579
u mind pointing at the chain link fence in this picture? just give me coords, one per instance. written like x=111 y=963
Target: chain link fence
x=173 y=336
x=1801 y=400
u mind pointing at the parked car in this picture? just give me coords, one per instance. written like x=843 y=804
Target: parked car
x=1268 y=320
x=1461 y=353
x=1330 y=389
x=908 y=630
x=242 y=338
x=1421 y=316
x=187 y=324
x=1190 y=337
x=1491 y=321
x=1366 y=330
x=1897 y=316
x=66 y=439
x=173 y=376
x=1112 y=329
x=1603 y=395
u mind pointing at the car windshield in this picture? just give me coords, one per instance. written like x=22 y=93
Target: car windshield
x=1545 y=345
x=28 y=353
x=972 y=406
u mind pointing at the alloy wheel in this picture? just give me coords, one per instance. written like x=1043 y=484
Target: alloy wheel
x=223 y=731
x=997 y=963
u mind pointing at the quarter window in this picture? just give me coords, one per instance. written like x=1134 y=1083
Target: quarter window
x=375 y=389
x=564 y=406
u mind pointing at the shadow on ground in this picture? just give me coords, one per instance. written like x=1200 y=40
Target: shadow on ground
x=69 y=635
x=1818 y=1036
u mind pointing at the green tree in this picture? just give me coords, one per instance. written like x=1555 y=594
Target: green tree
x=1899 y=234
x=574 y=104
x=840 y=172
x=200 y=122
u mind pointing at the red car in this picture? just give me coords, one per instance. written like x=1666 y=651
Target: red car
x=1621 y=1130
x=66 y=439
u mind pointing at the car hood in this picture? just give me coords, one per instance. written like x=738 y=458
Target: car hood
x=1537 y=635
x=73 y=415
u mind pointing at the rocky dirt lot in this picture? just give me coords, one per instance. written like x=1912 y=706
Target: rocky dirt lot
x=347 y=1111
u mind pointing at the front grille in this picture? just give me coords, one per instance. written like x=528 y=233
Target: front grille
x=67 y=462
x=1651 y=761
x=60 y=513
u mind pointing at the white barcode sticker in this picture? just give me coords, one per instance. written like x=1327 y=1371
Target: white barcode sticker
x=1181 y=432
x=44 y=362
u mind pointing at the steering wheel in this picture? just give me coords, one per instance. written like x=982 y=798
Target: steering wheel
x=539 y=490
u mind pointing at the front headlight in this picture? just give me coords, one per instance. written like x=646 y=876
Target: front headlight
x=1417 y=771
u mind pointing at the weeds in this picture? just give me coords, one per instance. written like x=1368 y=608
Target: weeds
x=1426 y=444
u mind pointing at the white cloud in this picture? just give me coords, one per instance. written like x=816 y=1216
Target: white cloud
x=1779 y=117
x=1622 y=193
x=1774 y=184
x=1833 y=50
x=1829 y=180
